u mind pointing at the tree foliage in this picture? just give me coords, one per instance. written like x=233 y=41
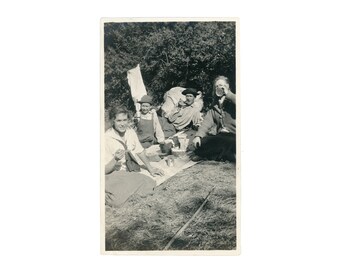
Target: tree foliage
x=188 y=54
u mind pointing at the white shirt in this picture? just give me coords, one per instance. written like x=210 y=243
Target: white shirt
x=181 y=117
x=112 y=145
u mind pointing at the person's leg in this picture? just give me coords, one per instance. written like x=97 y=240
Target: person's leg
x=168 y=128
x=229 y=149
x=119 y=186
x=218 y=147
x=147 y=187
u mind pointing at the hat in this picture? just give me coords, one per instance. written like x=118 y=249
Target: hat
x=146 y=99
x=190 y=91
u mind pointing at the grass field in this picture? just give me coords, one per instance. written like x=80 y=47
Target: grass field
x=149 y=223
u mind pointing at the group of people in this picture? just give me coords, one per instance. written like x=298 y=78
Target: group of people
x=173 y=116
x=123 y=144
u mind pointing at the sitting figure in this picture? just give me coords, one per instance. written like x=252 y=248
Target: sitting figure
x=174 y=96
x=149 y=130
x=177 y=116
x=221 y=146
x=122 y=177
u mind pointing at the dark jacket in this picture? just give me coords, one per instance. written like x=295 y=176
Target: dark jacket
x=214 y=117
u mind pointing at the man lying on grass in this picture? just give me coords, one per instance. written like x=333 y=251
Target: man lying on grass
x=122 y=177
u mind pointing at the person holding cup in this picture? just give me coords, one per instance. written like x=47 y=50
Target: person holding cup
x=222 y=145
x=181 y=109
x=122 y=169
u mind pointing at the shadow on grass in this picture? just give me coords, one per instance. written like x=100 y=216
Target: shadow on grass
x=150 y=223
x=135 y=237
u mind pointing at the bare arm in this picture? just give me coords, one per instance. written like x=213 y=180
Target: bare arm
x=158 y=129
x=152 y=170
x=231 y=96
x=174 y=115
x=109 y=167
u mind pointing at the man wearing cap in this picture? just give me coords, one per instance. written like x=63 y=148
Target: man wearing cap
x=149 y=129
x=187 y=112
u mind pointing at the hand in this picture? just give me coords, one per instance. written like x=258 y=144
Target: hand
x=231 y=96
x=196 y=142
x=181 y=103
x=119 y=154
x=231 y=126
x=156 y=171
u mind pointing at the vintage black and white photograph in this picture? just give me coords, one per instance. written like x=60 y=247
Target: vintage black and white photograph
x=169 y=136
x=149 y=134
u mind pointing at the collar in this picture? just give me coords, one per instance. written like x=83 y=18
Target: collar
x=186 y=105
x=111 y=132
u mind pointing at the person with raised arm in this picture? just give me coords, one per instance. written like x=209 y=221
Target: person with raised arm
x=222 y=145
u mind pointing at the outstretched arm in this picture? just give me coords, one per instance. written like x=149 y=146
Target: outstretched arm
x=152 y=170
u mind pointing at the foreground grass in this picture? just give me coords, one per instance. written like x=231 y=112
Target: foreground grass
x=149 y=223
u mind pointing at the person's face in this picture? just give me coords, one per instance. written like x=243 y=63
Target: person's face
x=120 y=122
x=221 y=84
x=145 y=108
x=189 y=99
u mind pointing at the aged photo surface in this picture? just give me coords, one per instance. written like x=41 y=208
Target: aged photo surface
x=170 y=136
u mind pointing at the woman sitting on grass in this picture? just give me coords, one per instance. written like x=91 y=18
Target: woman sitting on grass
x=221 y=146
x=121 y=167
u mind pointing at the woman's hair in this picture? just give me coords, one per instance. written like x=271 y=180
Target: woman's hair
x=114 y=111
x=215 y=98
x=220 y=78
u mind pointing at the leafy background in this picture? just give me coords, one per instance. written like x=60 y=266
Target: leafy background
x=187 y=54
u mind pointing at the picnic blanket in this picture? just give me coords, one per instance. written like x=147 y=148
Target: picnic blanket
x=118 y=190
x=180 y=163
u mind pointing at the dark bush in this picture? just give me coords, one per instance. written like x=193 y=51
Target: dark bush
x=189 y=54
